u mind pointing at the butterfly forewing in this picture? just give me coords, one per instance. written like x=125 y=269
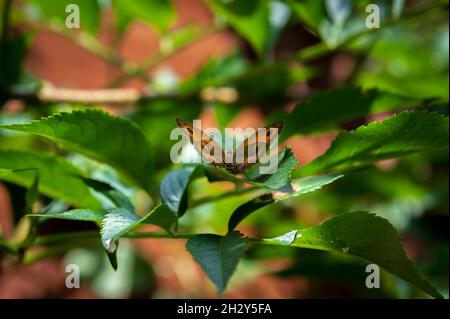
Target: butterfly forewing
x=246 y=154
x=208 y=149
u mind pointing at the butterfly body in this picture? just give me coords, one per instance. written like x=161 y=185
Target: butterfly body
x=245 y=154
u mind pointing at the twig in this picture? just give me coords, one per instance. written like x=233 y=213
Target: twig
x=48 y=94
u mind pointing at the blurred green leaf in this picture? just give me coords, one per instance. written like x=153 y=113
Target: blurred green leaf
x=363 y=235
x=217 y=255
x=328 y=109
x=398 y=135
x=56 y=176
x=338 y=10
x=412 y=63
x=32 y=193
x=159 y=14
x=55 y=11
x=13 y=51
x=106 y=138
x=250 y=18
x=312 y=12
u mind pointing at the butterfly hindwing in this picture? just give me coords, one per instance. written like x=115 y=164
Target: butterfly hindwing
x=256 y=146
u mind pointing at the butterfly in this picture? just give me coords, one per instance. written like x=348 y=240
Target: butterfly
x=246 y=154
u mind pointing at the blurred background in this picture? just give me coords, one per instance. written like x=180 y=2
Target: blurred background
x=231 y=64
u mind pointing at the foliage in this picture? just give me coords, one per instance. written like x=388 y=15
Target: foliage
x=114 y=173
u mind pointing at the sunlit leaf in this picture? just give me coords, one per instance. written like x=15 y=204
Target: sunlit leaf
x=106 y=138
x=56 y=176
x=363 y=235
x=159 y=14
x=399 y=135
x=250 y=18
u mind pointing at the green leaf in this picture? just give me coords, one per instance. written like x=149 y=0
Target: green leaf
x=338 y=10
x=296 y=188
x=398 y=135
x=281 y=177
x=106 y=138
x=366 y=236
x=247 y=208
x=56 y=176
x=174 y=187
x=250 y=18
x=159 y=14
x=305 y=185
x=286 y=163
x=87 y=215
x=217 y=255
x=311 y=12
x=160 y=216
x=32 y=193
x=120 y=221
x=328 y=109
x=116 y=223
x=115 y=196
x=50 y=11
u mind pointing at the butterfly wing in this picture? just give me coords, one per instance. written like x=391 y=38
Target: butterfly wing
x=203 y=144
x=252 y=147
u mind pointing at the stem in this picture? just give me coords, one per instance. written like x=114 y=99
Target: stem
x=58 y=238
x=5 y=246
x=158 y=235
x=31 y=257
x=241 y=191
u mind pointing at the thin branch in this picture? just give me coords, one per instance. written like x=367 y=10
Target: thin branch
x=49 y=94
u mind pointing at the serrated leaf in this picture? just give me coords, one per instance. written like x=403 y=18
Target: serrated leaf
x=281 y=177
x=399 y=135
x=366 y=236
x=56 y=176
x=97 y=134
x=296 y=188
x=174 y=186
x=119 y=221
x=305 y=185
x=217 y=255
x=87 y=215
x=159 y=14
x=338 y=10
x=328 y=109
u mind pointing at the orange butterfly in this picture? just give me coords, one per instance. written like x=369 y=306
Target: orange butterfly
x=246 y=153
